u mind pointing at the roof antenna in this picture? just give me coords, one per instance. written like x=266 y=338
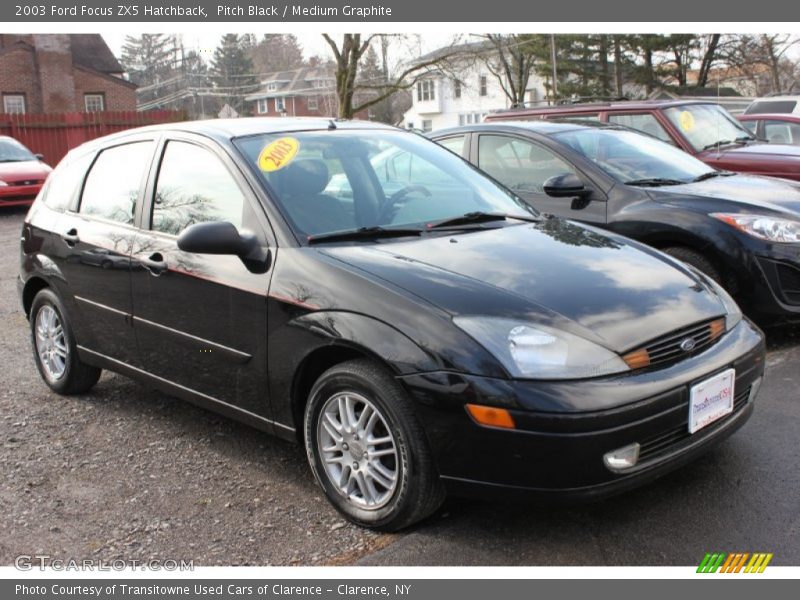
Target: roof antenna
x=331 y=124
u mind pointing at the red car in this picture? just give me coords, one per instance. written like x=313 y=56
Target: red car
x=703 y=129
x=777 y=128
x=22 y=173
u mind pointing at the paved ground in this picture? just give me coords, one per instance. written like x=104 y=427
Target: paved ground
x=126 y=472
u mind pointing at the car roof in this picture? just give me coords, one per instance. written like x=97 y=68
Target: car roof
x=626 y=105
x=222 y=129
x=541 y=126
x=793 y=117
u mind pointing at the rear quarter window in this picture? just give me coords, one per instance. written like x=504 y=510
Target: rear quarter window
x=64 y=183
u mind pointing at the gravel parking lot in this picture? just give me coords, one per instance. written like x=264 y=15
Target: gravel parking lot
x=127 y=472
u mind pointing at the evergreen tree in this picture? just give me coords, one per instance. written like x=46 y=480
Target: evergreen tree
x=232 y=71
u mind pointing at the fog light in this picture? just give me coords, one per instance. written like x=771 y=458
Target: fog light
x=622 y=458
x=754 y=389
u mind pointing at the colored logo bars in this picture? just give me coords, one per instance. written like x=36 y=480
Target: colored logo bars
x=735 y=562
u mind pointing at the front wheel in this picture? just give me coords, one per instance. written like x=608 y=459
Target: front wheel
x=54 y=347
x=367 y=449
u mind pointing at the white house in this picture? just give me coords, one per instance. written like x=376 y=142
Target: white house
x=463 y=93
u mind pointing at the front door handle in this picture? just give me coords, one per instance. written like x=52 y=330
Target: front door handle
x=71 y=237
x=154 y=263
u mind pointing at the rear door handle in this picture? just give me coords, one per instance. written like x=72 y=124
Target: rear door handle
x=154 y=263
x=71 y=237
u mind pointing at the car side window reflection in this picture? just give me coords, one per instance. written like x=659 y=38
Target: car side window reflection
x=518 y=164
x=113 y=184
x=194 y=186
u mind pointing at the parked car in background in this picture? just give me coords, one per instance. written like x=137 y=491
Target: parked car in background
x=774 y=104
x=22 y=173
x=703 y=129
x=774 y=128
x=741 y=230
x=435 y=335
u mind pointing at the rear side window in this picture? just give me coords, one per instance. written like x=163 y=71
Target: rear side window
x=643 y=122
x=194 y=186
x=454 y=144
x=771 y=106
x=64 y=183
x=114 y=182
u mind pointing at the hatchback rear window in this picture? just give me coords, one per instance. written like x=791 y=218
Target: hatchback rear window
x=771 y=106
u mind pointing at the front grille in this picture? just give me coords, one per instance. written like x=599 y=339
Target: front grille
x=676 y=345
x=789 y=280
x=662 y=443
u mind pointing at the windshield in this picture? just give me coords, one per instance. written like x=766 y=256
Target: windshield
x=12 y=151
x=629 y=156
x=707 y=125
x=341 y=180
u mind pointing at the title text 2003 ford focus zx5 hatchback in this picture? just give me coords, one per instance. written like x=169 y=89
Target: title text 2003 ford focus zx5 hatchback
x=413 y=323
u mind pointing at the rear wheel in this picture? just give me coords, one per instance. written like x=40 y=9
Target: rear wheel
x=54 y=349
x=367 y=448
x=697 y=260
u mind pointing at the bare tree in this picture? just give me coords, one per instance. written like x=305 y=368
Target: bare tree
x=355 y=95
x=510 y=59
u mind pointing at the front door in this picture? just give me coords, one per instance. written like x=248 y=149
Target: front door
x=524 y=166
x=201 y=320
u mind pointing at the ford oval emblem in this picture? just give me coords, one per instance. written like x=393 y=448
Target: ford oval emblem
x=688 y=344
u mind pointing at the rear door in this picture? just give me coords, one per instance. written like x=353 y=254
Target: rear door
x=524 y=166
x=201 y=320
x=97 y=234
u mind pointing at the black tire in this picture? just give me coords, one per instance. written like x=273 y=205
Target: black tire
x=697 y=260
x=77 y=377
x=418 y=491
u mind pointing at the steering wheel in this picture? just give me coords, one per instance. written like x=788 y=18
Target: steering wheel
x=386 y=211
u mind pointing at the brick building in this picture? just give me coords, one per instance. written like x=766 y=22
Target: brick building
x=304 y=92
x=57 y=73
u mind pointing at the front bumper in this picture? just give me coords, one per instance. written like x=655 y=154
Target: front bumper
x=563 y=429
x=19 y=195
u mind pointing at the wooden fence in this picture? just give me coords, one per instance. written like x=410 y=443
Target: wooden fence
x=53 y=135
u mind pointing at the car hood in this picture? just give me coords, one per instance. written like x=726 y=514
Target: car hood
x=750 y=191
x=756 y=152
x=608 y=289
x=29 y=169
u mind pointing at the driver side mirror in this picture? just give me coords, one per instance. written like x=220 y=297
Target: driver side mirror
x=222 y=237
x=39 y=156
x=567 y=185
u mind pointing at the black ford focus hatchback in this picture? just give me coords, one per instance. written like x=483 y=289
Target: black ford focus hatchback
x=364 y=291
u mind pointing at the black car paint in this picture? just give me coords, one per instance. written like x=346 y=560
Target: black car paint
x=249 y=345
x=674 y=215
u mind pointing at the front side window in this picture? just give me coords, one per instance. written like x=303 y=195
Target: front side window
x=631 y=157
x=194 y=186
x=521 y=165
x=644 y=122
x=94 y=102
x=113 y=184
x=781 y=132
x=14 y=104
x=706 y=126
x=326 y=181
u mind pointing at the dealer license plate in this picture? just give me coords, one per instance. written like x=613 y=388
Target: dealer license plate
x=711 y=400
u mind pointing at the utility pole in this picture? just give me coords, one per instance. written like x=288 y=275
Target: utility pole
x=555 y=68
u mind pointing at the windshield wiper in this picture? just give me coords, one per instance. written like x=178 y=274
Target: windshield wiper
x=655 y=182
x=480 y=217
x=722 y=143
x=5 y=160
x=712 y=174
x=363 y=233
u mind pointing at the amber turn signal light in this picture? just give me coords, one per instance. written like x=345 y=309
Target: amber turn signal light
x=491 y=416
x=717 y=328
x=638 y=359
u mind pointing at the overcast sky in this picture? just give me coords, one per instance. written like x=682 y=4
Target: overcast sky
x=312 y=43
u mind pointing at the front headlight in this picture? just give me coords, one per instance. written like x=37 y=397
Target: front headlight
x=763 y=227
x=3 y=183
x=531 y=351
